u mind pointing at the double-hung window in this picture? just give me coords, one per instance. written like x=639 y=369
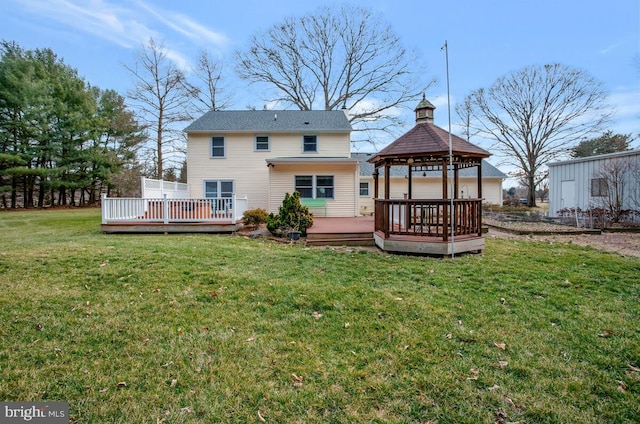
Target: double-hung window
x=262 y=143
x=364 y=189
x=315 y=186
x=309 y=144
x=217 y=147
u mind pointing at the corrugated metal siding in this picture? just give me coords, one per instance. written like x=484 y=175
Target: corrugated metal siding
x=577 y=176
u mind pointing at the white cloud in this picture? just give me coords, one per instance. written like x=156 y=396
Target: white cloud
x=101 y=19
x=184 y=25
x=129 y=26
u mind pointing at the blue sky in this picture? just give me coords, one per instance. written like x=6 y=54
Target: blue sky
x=486 y=39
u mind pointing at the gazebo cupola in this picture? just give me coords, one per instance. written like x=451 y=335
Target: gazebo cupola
x=424 y=111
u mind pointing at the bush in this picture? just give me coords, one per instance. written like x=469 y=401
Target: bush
x=255 y=217
x=292 y=216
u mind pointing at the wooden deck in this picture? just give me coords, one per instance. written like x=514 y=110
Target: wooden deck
x=351 y=231
x=136 y=227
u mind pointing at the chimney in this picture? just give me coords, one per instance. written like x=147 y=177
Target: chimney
x=424 y=111
x=346 y=111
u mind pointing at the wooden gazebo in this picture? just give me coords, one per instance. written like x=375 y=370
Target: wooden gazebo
x=428 y=226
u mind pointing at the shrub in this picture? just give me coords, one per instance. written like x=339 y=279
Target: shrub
x=292 y=216
x=255 y=217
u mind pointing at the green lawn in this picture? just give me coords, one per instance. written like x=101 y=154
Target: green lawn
x=218 y=328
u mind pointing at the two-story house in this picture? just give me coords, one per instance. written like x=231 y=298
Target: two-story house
x=263 y=154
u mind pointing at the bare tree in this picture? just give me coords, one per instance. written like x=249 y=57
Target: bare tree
x=613 y=187
x=162 y=98
x=336 y=59
x=536 y=114
x=211 y=93
x=463 y=110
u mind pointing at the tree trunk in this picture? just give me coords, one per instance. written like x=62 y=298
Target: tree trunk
x=531 y=197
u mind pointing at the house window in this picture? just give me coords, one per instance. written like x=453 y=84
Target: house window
x=599 y=187
x=310 y=144
x=262 y=143
x=215 y=189
x=217 y=147
x=324 y=186
x=364 y=189
x=315 y=186
x=304 y=186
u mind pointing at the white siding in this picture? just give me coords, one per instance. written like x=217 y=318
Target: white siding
x=344 y=203
x=247 y=167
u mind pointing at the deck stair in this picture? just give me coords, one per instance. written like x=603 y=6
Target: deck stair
x=341 y=232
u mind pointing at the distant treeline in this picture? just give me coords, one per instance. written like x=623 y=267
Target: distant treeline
x=62 y=141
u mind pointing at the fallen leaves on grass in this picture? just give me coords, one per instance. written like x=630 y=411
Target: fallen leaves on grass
x=622 y=386
x=316 y=315
x=607 y=333
x=298 y=380
x=121 y=384
x=504 y=303
x=502 y=346
x=502 y=364
x=475 y=373
x=174 y=383
x=261 y=418
x=632 y=368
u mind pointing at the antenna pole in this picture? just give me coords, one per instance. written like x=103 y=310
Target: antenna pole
x=452 y=219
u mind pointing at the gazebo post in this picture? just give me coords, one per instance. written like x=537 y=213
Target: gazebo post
x=445 y=166
x=455 y=181
x=387 y=191
x=480 y=197
x=407 y=214
x=376 y=175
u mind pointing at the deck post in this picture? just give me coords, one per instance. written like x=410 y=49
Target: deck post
x=234 y=209
x=165 y=208
x=104 y=208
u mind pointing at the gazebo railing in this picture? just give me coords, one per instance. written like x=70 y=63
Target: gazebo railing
x=428 y=217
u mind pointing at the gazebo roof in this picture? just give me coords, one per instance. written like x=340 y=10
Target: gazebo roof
x=427 y=143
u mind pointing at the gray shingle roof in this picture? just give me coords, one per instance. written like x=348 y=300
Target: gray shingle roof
x=366 y=169
x=268 y=121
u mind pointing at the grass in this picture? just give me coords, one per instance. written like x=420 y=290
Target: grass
x=201 y=328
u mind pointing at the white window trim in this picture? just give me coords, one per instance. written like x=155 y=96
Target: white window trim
x=224 y=147
x=309 y=151
x=368 y=189
x=218 y=181
x=314 y=185
x=255 y=143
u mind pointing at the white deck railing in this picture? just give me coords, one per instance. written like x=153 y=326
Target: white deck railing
x=165 y=210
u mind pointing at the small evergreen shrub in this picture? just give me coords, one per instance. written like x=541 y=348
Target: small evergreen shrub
x=255 y=217
x=292 y=216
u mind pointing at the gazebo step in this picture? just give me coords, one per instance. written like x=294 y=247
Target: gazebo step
x=341 y=241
